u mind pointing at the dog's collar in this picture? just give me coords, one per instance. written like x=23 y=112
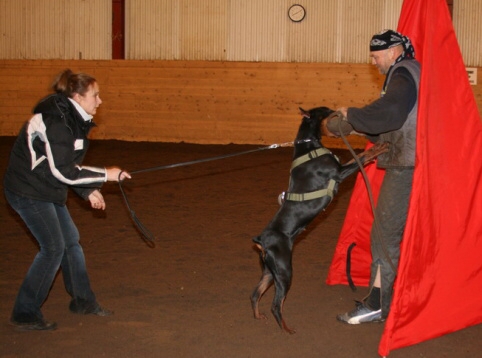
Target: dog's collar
x=301 y=141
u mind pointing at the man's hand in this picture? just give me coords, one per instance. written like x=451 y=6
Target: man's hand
x=343 y=111
x=324 y=128
x=335 y=123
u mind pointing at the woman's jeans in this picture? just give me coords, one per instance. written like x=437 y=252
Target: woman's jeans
x=58 y=238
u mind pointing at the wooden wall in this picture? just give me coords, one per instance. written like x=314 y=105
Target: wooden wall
x=197 y=101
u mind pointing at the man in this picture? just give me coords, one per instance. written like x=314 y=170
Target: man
x=391 y=118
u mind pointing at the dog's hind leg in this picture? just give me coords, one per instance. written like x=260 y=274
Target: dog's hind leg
x=261 y=288
x=282 y=286
x=279 y=261
x=264 y=283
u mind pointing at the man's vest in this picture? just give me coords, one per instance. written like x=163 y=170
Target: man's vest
x=403 y=140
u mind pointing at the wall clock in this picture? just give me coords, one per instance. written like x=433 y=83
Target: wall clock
x=296 y=13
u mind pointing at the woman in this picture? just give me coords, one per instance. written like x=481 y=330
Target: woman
x=45 y=161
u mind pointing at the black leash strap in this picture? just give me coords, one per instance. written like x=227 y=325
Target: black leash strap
x=372 y=204
x=146 y=234
x=348 y=267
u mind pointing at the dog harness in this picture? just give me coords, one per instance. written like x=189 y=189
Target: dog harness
x=307 y=157
x=312 y=194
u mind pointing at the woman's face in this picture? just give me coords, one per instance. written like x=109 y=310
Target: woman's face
x=90 y=100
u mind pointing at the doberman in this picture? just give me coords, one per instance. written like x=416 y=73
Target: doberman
x=314 y=179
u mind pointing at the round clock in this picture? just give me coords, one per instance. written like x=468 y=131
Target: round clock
x=296 y=13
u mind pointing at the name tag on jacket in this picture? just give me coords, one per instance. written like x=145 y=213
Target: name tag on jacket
x=79 y=144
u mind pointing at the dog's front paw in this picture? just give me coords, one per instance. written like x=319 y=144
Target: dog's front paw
x=377 y=149
x=381 y=147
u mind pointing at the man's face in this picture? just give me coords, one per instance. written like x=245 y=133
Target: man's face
x=383 y=59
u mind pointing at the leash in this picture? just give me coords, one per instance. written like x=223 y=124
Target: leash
x=147 y=236
x=372 y=204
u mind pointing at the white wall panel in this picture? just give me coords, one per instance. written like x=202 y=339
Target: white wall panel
x=467 y=20
x=334 y=31
x=203 y=29
x=255 y=30
x=152 y=29
x=56 y=29
x=13 y=19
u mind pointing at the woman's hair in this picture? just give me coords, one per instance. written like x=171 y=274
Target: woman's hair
x=70 y=83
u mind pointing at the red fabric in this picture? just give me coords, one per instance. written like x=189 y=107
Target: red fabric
x=438 y=288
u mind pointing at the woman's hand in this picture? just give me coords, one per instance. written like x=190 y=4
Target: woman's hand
x=97 y=200
x=113 y=174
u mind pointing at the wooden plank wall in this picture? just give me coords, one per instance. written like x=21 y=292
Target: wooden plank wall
x=202 y=102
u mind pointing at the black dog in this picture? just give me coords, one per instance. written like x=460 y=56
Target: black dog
x=315 y=176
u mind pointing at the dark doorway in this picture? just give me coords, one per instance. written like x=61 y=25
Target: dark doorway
x=118 y=28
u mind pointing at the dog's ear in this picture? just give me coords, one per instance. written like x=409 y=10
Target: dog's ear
x=304 y=113
x=330 y=112
x=261 y=250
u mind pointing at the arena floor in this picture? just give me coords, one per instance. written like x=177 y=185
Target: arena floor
x=189 y=295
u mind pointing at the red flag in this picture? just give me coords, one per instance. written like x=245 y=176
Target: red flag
x=438 y=287
x=356 y=230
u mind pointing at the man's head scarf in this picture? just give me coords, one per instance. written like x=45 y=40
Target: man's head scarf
x=388 y=39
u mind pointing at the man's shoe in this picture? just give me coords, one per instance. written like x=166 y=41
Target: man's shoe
x=34 y=326
x=361 y=314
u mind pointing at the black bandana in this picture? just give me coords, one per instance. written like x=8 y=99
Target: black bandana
x=388 y=39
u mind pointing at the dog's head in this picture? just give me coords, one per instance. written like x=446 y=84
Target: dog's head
x=310 y=127
x=316 y=113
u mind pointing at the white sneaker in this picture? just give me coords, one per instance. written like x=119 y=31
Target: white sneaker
x=360 y=314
